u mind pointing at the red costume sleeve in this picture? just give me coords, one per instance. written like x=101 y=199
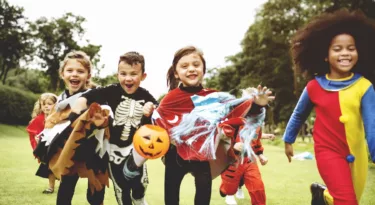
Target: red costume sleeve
x=257 y=144
x=34 y=128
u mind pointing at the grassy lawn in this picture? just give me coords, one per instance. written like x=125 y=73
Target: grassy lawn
x=285 y=183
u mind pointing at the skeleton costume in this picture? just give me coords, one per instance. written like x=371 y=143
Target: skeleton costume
x=128 y=117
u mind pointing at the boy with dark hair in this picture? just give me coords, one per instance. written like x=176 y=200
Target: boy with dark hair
x=132 y=107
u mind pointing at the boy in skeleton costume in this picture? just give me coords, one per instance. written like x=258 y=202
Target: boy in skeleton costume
x=132 y=107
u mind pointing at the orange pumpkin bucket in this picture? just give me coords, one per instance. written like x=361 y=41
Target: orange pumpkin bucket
x=151 y=141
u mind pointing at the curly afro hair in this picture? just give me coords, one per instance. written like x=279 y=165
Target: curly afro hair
x=310 y=44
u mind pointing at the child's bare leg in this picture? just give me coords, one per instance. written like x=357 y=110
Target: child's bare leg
x=51 y=179
x=51 y=184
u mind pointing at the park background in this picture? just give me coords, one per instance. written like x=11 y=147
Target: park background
x=32 y=48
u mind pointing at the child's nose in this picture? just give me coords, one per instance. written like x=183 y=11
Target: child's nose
x=191 y=68
x=345 y=52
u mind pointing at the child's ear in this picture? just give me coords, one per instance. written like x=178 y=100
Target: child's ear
x=144 y=75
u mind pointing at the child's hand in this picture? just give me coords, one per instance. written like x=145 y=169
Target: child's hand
x=289 y=151
x=238 y=146
x=99 y=119
x=37 y=138
x=264 y=96
x=268 y=136
x=148 y=109
x=263 y=159
x=97 y=115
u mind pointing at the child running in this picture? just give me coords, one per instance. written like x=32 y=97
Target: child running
x=336 y=49
x=191 y=154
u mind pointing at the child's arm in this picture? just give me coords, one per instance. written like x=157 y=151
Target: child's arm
x=34 y=128
x=368 y=116
x=97 y=95
x=79 y=105
x=263 y=159
x=148 y=109
x=260 y=100
x=268 y=136
x=299 y=116
x=258 y=148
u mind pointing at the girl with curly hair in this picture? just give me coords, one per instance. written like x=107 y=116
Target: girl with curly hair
x=337 y=50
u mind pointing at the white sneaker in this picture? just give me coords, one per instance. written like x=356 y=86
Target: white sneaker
x=230 y=200
x=240 y=194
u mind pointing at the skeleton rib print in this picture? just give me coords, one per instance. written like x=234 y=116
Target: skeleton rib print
x=128 y=113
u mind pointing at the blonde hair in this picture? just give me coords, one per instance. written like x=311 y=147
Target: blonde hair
x=82 y=58
x=38 y=104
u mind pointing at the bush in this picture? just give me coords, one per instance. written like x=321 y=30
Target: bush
x=16 y=105
x=28 y=79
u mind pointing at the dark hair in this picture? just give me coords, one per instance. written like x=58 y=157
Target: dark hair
x=133 y=58
x=310 y=44
x=172 y=82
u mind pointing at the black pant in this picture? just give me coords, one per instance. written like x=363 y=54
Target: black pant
x=66 y=192
x=175 y=170
x=123 y=187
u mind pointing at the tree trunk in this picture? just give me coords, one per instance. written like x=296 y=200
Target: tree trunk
x=57 y=85
x=5 y=74
x=2 y=71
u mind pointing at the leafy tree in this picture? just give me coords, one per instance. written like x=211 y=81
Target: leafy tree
x=265 y=55
x=55 y=38
x=109 y=79
x=28 y=79
x=14 y=38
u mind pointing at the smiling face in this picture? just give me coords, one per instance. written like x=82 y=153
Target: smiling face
x=47 y=106
x=342 y=56
x=75 y=76
x=189 y=70
x=130 y=76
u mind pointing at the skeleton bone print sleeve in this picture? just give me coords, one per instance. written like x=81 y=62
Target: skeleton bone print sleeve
x=128 y=117
x=127 y=109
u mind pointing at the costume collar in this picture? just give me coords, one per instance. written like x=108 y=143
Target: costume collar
x=191 y=89
x=337 y=84
x=67 y=94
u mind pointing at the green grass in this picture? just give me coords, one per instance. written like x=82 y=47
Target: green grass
x=285 y=183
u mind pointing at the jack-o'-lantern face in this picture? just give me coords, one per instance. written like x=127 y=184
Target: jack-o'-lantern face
x=151 y=141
